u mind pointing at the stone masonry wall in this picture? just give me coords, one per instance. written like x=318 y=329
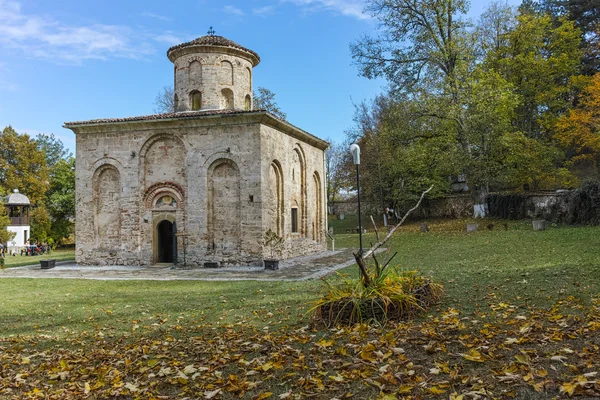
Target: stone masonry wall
x=301 y=167
x=215 y=174
x=218 y=77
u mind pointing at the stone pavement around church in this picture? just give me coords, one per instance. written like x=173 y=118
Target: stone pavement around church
x=294 y=269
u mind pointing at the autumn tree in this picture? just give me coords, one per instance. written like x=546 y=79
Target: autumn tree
x=44 y=170
x=453 y=109
x=22 y=165
x=5 y=235
x=539 y=59
x=579 y=130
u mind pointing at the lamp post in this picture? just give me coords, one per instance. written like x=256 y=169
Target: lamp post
x=355 y=150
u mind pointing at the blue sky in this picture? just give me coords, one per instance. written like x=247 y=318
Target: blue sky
x=70 y=60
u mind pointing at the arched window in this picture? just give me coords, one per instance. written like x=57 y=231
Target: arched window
x=247 y=103
x=227 y=99
x=226 y=73
x=249 y=78
x=195 y=100
x=195 y=73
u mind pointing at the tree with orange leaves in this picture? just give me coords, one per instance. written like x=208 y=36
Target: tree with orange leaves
x=579 y=130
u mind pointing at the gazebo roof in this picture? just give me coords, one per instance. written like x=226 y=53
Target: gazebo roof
x=16 y=199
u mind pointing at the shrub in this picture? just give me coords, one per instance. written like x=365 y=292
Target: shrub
x=392 y=295
x=584 y=204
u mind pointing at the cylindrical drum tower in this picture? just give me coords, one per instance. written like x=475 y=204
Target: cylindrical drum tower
x=212 y=73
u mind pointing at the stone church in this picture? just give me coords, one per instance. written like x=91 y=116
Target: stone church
x=204 y=183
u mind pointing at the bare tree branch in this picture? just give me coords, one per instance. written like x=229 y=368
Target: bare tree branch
x=360 y=258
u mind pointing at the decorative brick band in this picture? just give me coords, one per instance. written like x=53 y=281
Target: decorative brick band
x=172 y=188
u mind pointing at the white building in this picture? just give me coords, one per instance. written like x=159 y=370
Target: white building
x=17 y=207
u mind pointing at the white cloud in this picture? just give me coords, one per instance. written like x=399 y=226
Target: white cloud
x=350 y=8
x=233 y=10
x=169 y=38
x=44 y=37
x=8 y=86
x=149 y=14
x=5 y=85
x=263 y=11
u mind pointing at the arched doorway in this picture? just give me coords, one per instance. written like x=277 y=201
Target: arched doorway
x=166 y=243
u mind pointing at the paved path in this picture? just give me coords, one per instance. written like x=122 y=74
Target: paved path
x=294 y=269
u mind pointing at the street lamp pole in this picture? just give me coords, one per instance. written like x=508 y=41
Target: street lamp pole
x=355 y=150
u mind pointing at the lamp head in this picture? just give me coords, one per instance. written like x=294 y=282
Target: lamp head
x=355 y=150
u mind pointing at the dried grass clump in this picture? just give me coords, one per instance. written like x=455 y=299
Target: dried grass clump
x=391 y=296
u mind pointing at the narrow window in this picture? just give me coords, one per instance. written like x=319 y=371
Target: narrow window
x=25 y=236
x=294 y=220
x=175 y=103
x=227 y=99
x=226 y=73
x=196 y=100
x=247 y=103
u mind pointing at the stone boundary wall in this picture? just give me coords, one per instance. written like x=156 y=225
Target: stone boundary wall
x=456 y=206
x=552 y=206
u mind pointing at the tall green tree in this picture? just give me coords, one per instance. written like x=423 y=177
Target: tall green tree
x=492 y=29
x=452 y=108
x=53 y=148
x=539 y=58
x=60 y=201
x=264 y=99
x=5 y=235
x=586 y=16
x=22 y=165
x=425 y=52
x=40 y=224
x=337 y=176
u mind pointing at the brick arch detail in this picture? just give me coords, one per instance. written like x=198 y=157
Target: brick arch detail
x=153 y=192
x=155 y=138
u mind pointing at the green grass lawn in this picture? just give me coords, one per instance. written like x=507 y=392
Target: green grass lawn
x=519 y=266
x=19 y=261
x=518 y=304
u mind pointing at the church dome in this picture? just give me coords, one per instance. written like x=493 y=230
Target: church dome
x=212 y=40
x=16 y=199
x=212 y=73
